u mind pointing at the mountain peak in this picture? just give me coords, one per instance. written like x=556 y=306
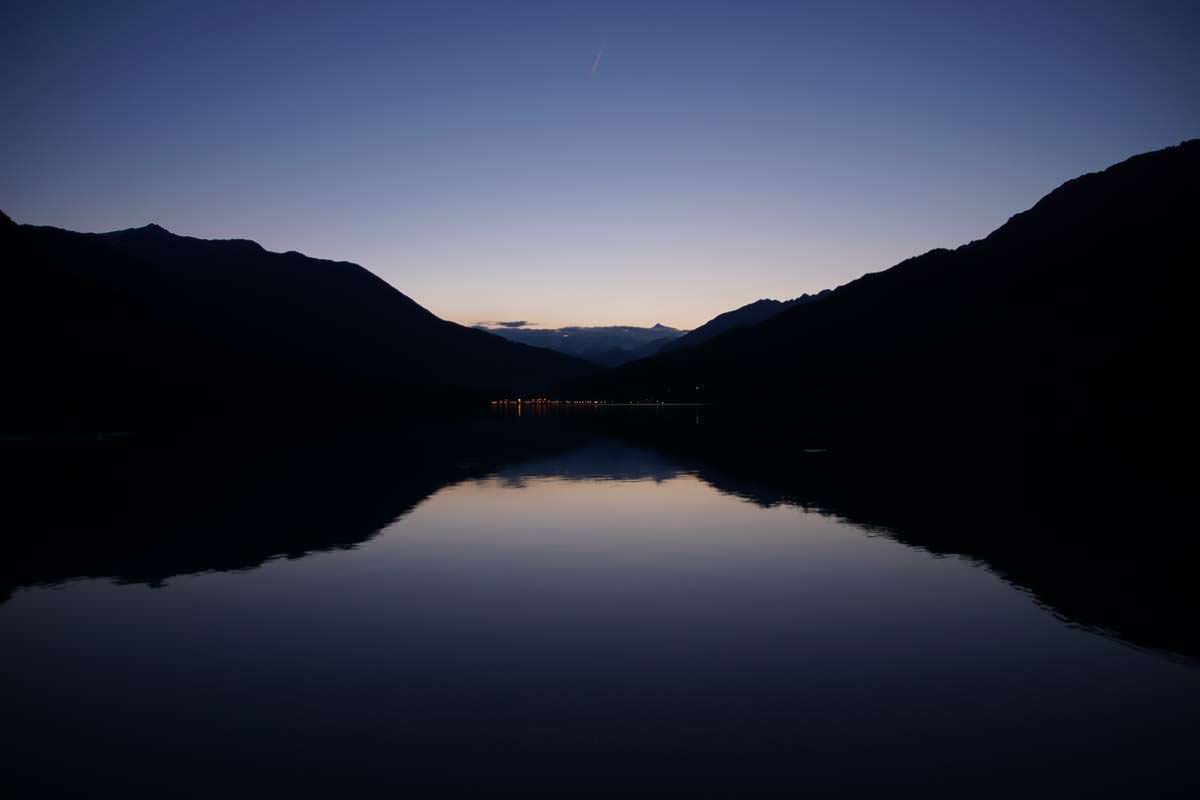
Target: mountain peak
x=153 y=229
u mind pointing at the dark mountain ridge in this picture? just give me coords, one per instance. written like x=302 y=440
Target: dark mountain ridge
x=143 y=327
x=1072 y=319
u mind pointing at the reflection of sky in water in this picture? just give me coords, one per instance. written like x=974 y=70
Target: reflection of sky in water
x=530 y=617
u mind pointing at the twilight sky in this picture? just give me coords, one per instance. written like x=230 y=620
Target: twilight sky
x=492 y=163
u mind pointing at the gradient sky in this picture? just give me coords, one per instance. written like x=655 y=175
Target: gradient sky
x=485 y=161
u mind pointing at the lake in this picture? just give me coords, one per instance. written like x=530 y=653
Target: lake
x=568 y=612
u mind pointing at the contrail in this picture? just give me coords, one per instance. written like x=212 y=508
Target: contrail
x=596 y=62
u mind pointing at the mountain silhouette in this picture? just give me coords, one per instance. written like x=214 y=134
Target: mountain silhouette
x=607 y=345
x=1073 y=320
x=140 y=327
x=749 y=314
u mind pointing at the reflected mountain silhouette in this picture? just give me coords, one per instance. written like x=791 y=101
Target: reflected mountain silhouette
x=1101 y=549
x=142 y=512
x=1102 y=543
x=598 y=460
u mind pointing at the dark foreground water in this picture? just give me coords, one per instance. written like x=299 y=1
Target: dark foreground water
x=596 y=615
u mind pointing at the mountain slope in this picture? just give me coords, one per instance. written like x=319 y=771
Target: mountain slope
x=749 y=314
x=1071 y=319
x=120 y=328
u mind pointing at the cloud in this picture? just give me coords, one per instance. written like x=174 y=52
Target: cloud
x=596 y=60
x=515 y=323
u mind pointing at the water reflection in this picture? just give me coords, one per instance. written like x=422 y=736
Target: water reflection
x=144 y=512
x=1103 y=555
x=507 y=607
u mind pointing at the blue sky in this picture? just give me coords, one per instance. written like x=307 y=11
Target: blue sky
x=469 y=154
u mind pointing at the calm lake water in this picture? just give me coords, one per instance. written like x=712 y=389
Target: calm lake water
x=602 y=617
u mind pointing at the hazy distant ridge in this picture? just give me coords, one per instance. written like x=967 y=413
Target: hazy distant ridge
x=609 y=345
